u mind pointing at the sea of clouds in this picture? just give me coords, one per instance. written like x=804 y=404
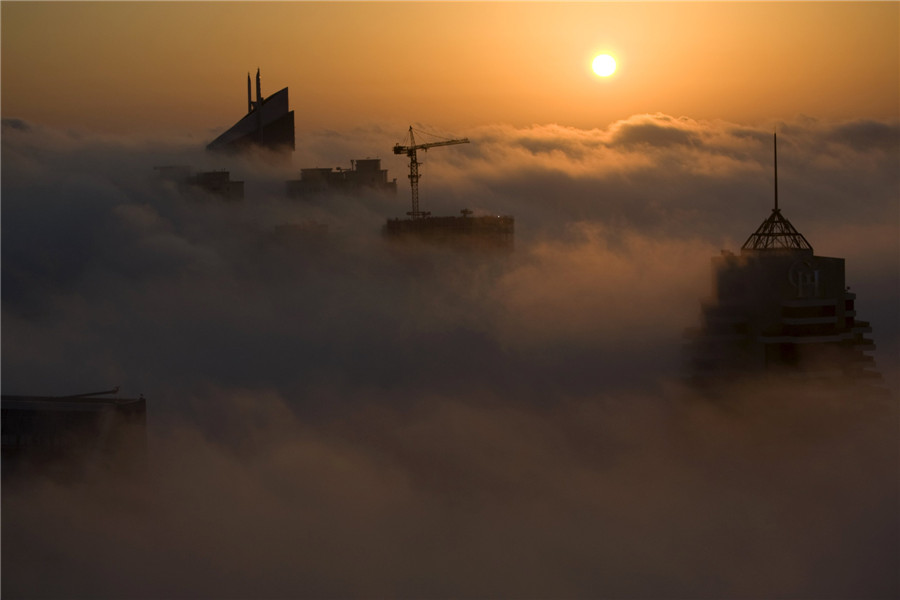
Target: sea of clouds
x=335 y=416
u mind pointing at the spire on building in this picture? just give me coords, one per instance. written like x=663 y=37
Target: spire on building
x=780 y=309
x=776 y=232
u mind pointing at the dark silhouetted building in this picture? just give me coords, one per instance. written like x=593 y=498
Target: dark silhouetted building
x=363 y=175
x=67 y=435
x=780 y=309
x=217 y=183
x=269 y=123
x=465 y=231
x=483 y=232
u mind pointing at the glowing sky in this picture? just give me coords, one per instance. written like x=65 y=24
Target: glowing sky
x=141 y=67
x=333 y=416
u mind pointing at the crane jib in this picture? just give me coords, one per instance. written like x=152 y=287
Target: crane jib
x=410 y=151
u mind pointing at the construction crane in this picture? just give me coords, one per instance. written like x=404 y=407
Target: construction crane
x=410 y=151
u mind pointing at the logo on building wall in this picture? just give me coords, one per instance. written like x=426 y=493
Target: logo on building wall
x=805 y=279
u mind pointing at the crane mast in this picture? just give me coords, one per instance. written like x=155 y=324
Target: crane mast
x=410 y=151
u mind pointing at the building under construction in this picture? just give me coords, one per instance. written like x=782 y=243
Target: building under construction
x=269 y=123
x=779 y=308
x=363 y=175
x=69 y=435
x=466 y=230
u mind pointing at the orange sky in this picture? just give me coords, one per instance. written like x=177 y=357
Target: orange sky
x=181 y=67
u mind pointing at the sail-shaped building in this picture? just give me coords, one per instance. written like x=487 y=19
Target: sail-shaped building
x=269 y=123
x=779 y=308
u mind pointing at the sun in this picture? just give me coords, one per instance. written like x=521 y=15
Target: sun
x=604 y=65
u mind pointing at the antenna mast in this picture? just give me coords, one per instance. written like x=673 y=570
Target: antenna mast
x=259 y=103
x=776 y=232
x=775 y=147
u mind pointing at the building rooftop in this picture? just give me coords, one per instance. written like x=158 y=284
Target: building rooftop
x=776 y=233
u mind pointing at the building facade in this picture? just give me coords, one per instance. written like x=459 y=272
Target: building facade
x=363 y=174
x=467 y=231
x=778 y=308
x=269 y=123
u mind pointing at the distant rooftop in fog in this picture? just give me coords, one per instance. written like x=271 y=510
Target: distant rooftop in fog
x=269 y=123
x=216 y=183
x=482 y=232
x=47 y=435
x=363 y=174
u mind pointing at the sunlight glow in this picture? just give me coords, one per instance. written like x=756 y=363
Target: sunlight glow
x=604 y=65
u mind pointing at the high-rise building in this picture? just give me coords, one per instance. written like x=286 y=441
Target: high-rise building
x=778 y=308
x=269 y=123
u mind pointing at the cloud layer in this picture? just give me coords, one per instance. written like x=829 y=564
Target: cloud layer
x=331 y=415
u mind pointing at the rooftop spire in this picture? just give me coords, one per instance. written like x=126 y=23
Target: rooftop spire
x=775 y=153
x=776 y=232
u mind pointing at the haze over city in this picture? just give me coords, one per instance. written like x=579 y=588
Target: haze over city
x=337 y=417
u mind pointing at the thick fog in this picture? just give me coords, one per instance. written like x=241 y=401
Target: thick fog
x=331 y=415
